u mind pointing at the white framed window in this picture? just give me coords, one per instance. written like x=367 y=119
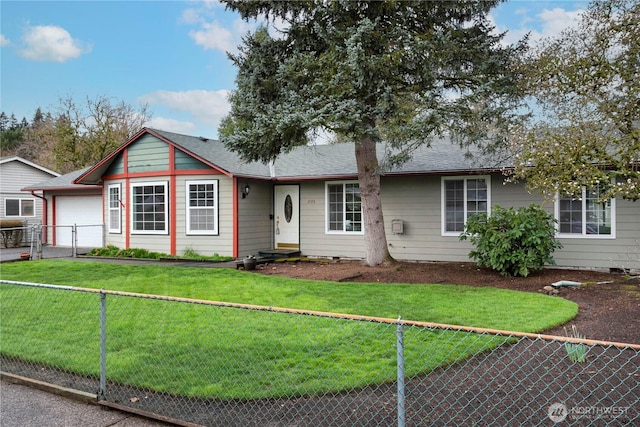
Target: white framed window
x=463 y=197
x=587 y=216
x=20 y=207
x=115 y=208
x=343 y=208
x=202 y=207
x=149 y=208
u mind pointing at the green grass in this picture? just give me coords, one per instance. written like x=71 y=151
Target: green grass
x=198 y=350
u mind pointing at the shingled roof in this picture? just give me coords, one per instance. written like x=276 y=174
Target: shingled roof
x=329 y=161
x=62 y=182
x=335 y=160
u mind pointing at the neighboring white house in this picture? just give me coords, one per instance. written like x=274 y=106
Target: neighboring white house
x=17 y=173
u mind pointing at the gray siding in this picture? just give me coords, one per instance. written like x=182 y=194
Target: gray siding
x=313 y=239
x=222 y=243
x=256 y=226
x=417 y=201
x=151 y=242
x=622 y=252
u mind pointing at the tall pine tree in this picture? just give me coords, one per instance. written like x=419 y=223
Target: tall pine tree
x=401 y=72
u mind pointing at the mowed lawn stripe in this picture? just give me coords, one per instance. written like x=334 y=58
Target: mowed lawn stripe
x=218 y=352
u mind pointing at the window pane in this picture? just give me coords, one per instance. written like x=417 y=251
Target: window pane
x=598 y=214
x=476 y=196
x=570 y=219
x=336 y=208
x=344 y=210
x=454 y=205
x=353 y=208
x=149 y=208
x=114 y=209
x=114 y=219
x=114 y=197
x=12 y=207
x=201 y=207
x=27 y=208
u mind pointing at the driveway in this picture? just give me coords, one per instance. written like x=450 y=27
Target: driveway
x=22 y=405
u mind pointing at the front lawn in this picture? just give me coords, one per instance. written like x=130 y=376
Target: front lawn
x=225 y=352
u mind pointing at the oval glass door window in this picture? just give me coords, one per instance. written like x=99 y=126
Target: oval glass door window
x=288 y=208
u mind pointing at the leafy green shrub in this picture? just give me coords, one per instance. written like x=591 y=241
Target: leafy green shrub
x=190 y=254
x=514 y=243
x=116 y=252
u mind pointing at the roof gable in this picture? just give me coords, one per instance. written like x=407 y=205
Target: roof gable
x=5 y=160
x=208 y=152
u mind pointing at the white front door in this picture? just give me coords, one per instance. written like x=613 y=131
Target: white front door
x=287 y=217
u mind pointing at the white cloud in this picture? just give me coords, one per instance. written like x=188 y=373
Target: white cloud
x=4 y=41
x=213 y=36
x=208 y=107
x=545 y=24
x=51 y=43
x=557 y=19
x=171 y=125
x=216 y=28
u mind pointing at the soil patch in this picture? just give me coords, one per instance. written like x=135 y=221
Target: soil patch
x=609 y=303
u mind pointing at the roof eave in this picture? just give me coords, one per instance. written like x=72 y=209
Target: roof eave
x=73 y=187
x=28 y=163
x=476 y=171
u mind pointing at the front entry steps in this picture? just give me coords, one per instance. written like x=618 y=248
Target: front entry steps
x=280 y=253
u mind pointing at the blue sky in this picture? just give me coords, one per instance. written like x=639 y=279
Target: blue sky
x=167 y=54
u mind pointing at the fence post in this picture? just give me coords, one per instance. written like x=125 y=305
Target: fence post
x=103 y=346
x=74 y=240
x=39 y=241
x=400 y=355
x=32 y=239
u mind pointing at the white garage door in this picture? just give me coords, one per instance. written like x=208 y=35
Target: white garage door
x=86 y=214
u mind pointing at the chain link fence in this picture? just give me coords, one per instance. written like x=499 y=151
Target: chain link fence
x=208 y=363
x=71 y=241
x=15 y=236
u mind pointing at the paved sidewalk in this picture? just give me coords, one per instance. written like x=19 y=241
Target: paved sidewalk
x=22 y=406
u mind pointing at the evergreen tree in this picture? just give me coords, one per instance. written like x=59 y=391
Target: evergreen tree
x=4 y=121
x=402 y=72
x=38 y=117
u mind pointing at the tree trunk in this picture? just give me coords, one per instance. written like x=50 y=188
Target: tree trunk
x=377 y=251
